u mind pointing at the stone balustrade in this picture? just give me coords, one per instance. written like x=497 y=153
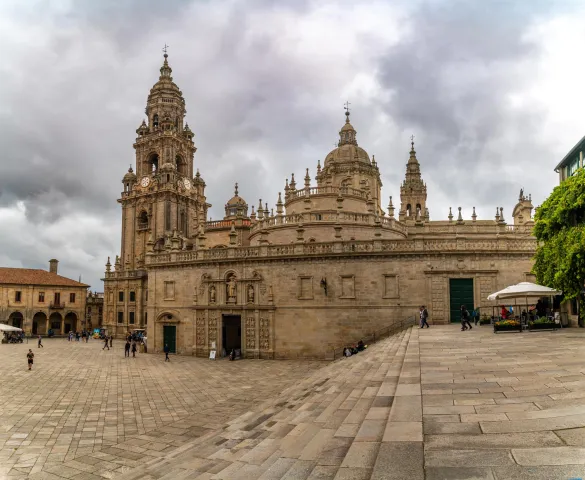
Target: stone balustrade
x=421 y=246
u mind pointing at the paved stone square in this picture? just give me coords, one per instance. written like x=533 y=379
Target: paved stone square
x=424 y=404
x=82 y=410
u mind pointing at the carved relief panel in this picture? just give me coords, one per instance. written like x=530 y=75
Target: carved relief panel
x=251 y=332
x=264 y=333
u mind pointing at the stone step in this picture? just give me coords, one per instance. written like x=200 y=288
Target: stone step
x=306 y=432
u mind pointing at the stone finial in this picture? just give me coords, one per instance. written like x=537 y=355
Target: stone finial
x=236 y=189
x=474 y=215
x=450 y=216
x=253 y=214
x=307 y=180
x=279 y=205
x=318 y=167
x=108 y=265
x=266 y=211
x=260 y=210
x=460 y=217
x=293 y=184
x=391 y=208
x=502 y=214
x=497 y=214
x=374 y=160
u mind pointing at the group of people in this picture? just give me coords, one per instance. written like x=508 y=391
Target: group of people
x=13 y=337
x=359 y=347
x=131 y=345
x=83 y=336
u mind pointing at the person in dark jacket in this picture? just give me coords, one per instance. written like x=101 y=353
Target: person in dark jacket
x=465 y=323
x=127 y=349
x=134 y=348
x=424 y=314
x=167 y=350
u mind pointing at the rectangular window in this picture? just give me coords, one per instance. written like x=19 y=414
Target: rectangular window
x=89 y=310
x=167 y=216
x=41 y=297
x=17 y=296
x=145 y=318
x=391 y=286
x=347 y=286
x=305 y=288
x=120 y=317
x=71 y=298
x=132 y=296
x=131 y=318
x=57 y=298
x=120 y=296
x=169 y=290
x=146 y=295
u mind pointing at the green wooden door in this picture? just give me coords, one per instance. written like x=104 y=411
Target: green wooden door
x=170 y=337
x=460 y=293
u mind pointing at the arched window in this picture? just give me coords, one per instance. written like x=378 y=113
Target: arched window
x=408 y=210
x=183 y=222
x=155 y=121
x=153 y=162
x=143 y=220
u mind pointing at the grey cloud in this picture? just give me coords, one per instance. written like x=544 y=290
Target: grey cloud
x=258 y=113
x=450 y=83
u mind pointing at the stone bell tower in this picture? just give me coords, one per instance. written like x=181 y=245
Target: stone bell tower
x=413 y=191
x=162 y=203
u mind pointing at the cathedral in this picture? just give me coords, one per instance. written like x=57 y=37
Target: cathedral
x=324 y=266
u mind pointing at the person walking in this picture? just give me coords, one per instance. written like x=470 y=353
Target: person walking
x=40 y=343
x=167 y=350
x=465 y=323
x=111 y=340
x=127 y=349
x=106 y=343
x=424 y=315
x=29 y=356
x=134 y=348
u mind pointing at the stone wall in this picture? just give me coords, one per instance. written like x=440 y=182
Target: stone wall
x=368 y=289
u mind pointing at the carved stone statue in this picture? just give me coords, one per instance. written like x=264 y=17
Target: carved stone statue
x=212 y=294
x=231 y=288
x=250 y=294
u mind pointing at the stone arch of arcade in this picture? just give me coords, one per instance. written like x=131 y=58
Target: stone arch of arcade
x=40 y=324
x=56 y=323
x=70 y=322
x=16 y=319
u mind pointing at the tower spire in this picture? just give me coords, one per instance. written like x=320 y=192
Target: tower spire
x=165 y=70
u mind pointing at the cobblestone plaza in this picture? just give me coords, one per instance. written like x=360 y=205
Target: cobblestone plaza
x=424 y=404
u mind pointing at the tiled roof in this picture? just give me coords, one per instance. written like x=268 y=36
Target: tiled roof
x=33 y=276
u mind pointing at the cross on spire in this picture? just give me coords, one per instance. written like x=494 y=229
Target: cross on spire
x=236 y=188
x=346 y=108
x=165 y=49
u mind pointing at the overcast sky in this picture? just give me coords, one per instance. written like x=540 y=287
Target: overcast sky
x=492 y=90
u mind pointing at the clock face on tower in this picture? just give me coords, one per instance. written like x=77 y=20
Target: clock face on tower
x=145 y=181
x=187 y=183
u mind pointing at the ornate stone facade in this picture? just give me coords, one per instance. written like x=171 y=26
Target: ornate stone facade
x=324 y=267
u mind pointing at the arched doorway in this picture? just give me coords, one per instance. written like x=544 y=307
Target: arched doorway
x=55 y=323
x=70 y=322
x=16 y=319
x=39 y=326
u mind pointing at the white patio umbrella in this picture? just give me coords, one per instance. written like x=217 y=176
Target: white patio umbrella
x=523 y=290
x=9 y=328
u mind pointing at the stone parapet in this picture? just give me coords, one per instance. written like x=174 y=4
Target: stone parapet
x=502 y=244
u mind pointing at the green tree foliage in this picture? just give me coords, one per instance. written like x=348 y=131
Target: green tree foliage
x=560 y=230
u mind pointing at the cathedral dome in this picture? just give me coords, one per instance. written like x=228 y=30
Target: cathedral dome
x=236 y=200
x=130 y=177
x=236 y=205
x=347 y=150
